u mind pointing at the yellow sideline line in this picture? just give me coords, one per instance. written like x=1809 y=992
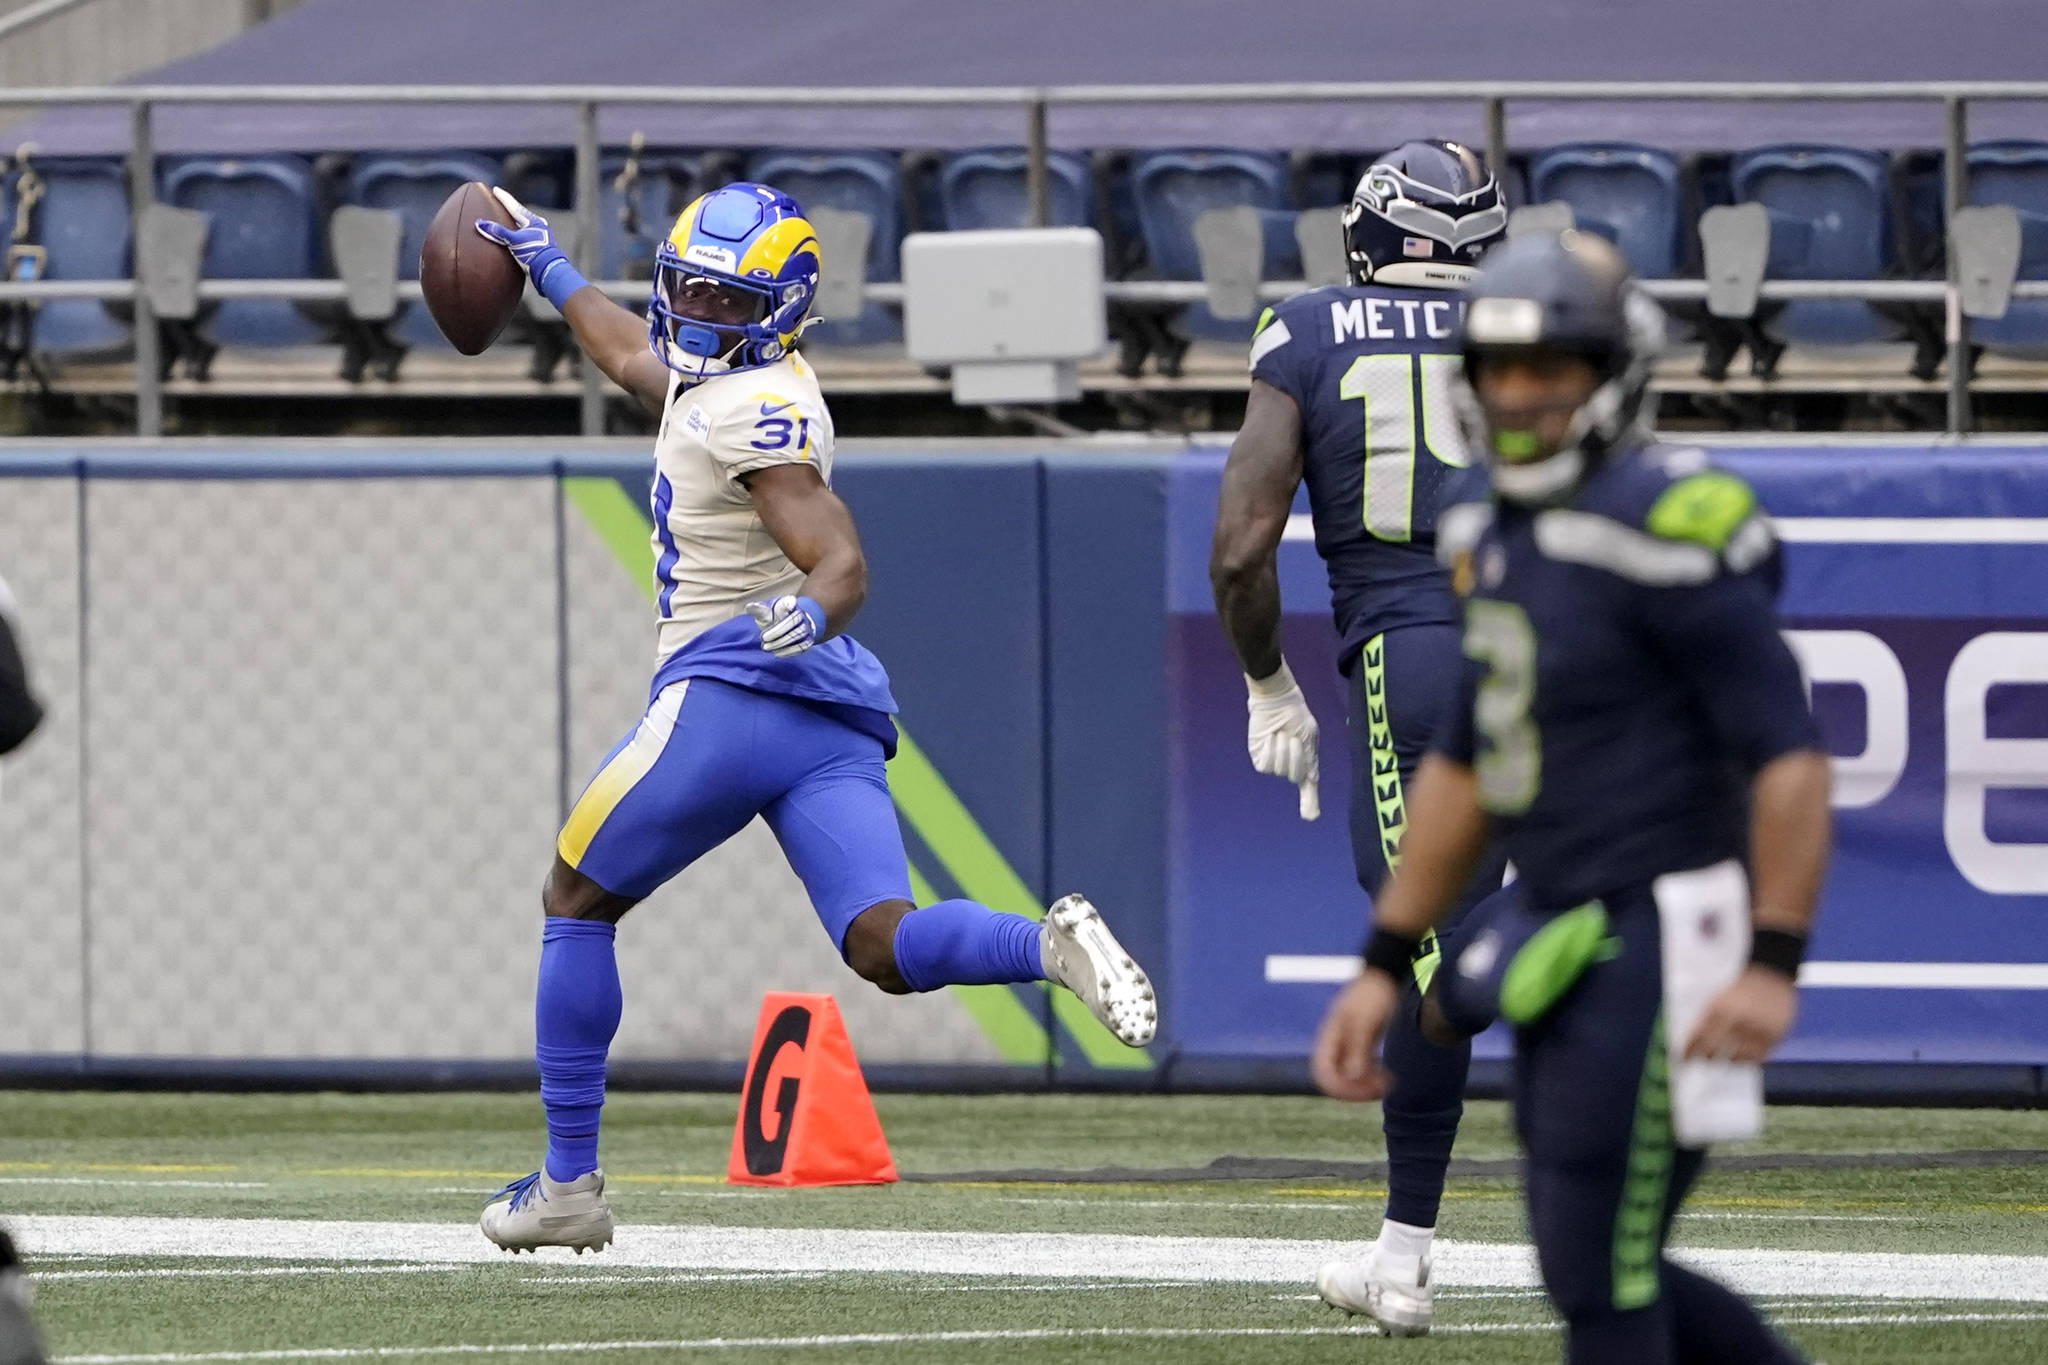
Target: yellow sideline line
x=383 y=1173
x=109 y=1166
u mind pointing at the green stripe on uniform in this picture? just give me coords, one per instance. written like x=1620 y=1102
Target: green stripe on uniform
x=1639 y=1222
x=1390 y=808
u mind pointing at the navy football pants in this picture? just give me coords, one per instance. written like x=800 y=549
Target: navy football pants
x=1400 y=685
x=1603 y=1175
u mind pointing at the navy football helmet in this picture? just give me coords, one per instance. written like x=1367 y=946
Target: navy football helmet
x=1422 y=216
x=1571 y=294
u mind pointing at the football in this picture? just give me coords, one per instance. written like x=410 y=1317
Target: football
x=472 y=285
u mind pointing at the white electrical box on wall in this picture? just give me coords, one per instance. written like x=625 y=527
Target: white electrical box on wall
x=1012 y=311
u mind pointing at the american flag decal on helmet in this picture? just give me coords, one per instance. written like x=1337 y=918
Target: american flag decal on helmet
x=1417 y=246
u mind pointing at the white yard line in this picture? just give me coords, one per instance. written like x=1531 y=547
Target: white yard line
x=245 y=1272
x=570 y=1348
x=148 y=1184
x=672 y=1277
x=1111 y=1201
x=1061 y=1287
x=1684 y=1214
x=1030 y=1255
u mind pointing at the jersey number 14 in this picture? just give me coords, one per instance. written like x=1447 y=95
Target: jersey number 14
x=1399 y=430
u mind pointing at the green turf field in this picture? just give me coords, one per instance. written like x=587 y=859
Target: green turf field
x=175 y=1228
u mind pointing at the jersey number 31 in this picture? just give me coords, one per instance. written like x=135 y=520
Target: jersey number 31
x=1399 y=431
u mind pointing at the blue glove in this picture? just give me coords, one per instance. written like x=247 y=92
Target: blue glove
x=532 y=244
x=789 y=625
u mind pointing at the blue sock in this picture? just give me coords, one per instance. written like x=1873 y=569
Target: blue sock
x=575 y=1014
x=959 y=943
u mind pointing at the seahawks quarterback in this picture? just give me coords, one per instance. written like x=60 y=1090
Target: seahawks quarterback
x=1352 y=393
x=761 y=704
x=1634 y=730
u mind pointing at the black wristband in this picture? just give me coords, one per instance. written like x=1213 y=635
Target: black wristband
x=1781 y=950
x=1392 y=953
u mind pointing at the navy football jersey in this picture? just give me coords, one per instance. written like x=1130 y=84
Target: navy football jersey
x=1373 y=372
x=1625 y=673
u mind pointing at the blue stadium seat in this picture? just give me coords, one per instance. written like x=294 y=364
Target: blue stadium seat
x=665 y=185
x=84 y=224
x=856 y=182
x=263 y=226
x=1831 y=219
x=1174 y=188
x=1626 y=193
x=414 y=187
x=2016 y=173
x=1326 y=179
x=985 y=189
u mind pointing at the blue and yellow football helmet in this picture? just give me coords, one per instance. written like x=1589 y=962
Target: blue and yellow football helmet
x=734 y=282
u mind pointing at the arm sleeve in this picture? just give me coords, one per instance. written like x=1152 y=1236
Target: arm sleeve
x=20 y=713
x=1722 y=638
x=767 y=429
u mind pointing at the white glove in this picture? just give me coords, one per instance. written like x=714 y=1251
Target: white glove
x=1282 y=736
x=789 y=625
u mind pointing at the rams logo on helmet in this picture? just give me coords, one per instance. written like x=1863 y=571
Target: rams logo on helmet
x=734 y=282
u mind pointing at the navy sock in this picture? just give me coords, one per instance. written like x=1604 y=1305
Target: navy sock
x=1420 y=1117
x=575 y=1014
x=959 y=943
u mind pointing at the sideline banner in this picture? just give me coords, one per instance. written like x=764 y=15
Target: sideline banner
x=1917 y=600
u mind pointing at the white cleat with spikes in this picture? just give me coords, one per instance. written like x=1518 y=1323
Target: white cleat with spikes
x=1080 y=953
x=536 y=1212
x=1394 y=1291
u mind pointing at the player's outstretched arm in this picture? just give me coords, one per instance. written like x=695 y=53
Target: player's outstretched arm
x=1259 y=480
x=1446 y=835
x=613 y=337
x=816 y=532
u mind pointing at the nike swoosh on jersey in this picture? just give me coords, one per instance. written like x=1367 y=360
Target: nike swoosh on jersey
x=767 y=411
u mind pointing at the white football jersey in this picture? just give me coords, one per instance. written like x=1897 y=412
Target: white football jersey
x=712 y=554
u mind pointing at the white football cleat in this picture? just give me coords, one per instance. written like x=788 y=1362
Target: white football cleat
x=539 y=1212
x=1081 y=954
x=1397 y=1296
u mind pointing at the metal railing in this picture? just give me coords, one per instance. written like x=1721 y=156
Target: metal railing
x=1032 y=104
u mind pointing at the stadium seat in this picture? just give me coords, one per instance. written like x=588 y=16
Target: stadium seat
x=541 y=180
x=1831 y=219
x=986 y=189
x=1318 y=180
x=413 y=187
x=2016 y=173
x=865 y=182
x=1172 y=189
x=663 y=185
x=1628 y=194
x=263 y=225
x=84 y=224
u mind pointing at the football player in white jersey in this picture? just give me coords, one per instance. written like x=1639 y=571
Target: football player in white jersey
x=761 y=704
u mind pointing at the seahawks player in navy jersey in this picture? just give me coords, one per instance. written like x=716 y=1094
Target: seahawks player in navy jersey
x=1352 y=391
x=1633 y=728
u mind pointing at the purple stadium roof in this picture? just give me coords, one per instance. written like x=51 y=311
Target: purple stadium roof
x=973 y=42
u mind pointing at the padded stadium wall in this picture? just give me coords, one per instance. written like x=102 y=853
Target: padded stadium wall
x=316 y=710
